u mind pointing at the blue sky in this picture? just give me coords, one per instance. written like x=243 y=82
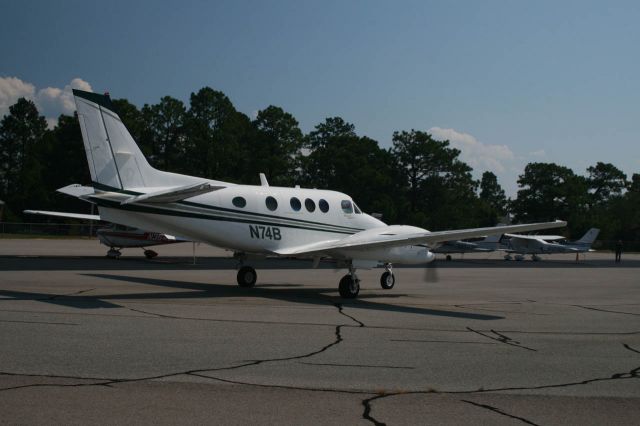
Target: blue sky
x=508 y=82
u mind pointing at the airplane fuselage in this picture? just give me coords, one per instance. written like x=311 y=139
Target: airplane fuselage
x=257 y=219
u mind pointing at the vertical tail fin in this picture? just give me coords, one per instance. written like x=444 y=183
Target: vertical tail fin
x=114 y=158
x=589 y=237
x=115 y=161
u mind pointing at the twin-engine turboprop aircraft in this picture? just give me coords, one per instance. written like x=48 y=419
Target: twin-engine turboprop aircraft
x=250 y=220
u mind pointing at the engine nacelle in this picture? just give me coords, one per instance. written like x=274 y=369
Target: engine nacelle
x=406 y=255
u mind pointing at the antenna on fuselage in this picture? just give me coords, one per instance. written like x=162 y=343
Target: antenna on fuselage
x=263 y=180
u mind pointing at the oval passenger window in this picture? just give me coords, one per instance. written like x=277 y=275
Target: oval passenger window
x=239 y=202
x=310 y=204
x=271 y=203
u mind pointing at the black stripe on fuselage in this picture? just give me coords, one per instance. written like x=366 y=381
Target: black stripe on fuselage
x=302 y=224
x=169 y=212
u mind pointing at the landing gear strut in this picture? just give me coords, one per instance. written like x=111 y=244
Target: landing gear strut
x=387 y=280
x=349 y=286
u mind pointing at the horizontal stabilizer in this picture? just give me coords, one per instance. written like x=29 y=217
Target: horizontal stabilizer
x=65 y=214
x=76 y=190
x=173 y=195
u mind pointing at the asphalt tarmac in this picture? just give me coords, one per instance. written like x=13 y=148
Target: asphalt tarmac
x=90 y=340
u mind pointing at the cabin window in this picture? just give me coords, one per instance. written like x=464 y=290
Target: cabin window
x=324 y=206
x=271 y=203
x=296 y=205
x=357 y=209
x=310 y=204
x=346 y=206
x=239 y=202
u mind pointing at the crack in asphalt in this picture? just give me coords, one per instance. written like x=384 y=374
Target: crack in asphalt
x=632 y=374
x=39 y=322
x=338 y=340
x=342 y=312
x=499 y=411
x=358 y=365
x=75 y=293
x=502 y=339
x=366 y=403
x=606 y=310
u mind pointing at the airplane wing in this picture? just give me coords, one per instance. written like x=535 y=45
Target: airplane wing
x=537 y=237
x=64 y=214
x=172 y=195
x=398 y=235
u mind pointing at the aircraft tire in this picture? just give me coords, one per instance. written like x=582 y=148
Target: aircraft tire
x=247 y=276
x=387 y=280
x=349 y=288
x=448 y=258
x=150 y=254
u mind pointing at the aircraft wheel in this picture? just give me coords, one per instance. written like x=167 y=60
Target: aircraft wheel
x=349 y=288
x=247 y=276
x=150 y=254
x=113 y=254
x=448 y=258
x=387 y=280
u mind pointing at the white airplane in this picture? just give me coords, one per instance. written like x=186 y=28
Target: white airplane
x=117 y=237
x=486 y=245
x=250 y=220
x=548 y=244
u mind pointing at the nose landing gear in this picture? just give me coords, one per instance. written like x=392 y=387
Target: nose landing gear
x=387 y=280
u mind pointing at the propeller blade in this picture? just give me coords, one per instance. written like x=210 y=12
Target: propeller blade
x=431 y=272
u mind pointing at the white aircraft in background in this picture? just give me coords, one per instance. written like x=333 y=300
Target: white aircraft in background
x=250 y=220
x=117 y=237
x=548 y=244
x=488 y=244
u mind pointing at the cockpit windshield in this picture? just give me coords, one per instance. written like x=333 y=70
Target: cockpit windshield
x=348 y=207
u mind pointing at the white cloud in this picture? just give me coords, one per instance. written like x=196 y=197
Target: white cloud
x=12 y=89
x=51 y=101
x=478 y=155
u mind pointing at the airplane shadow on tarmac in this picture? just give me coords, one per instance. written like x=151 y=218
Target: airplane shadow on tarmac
x=192 y=290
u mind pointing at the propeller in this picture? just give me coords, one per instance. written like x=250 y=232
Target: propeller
x=431 y=272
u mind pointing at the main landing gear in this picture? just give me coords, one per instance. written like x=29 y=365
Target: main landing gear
x=247 y=276
x=349 y=286
x=113 y=253
x=150 y=254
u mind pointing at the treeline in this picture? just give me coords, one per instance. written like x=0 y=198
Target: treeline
x=418 y=180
